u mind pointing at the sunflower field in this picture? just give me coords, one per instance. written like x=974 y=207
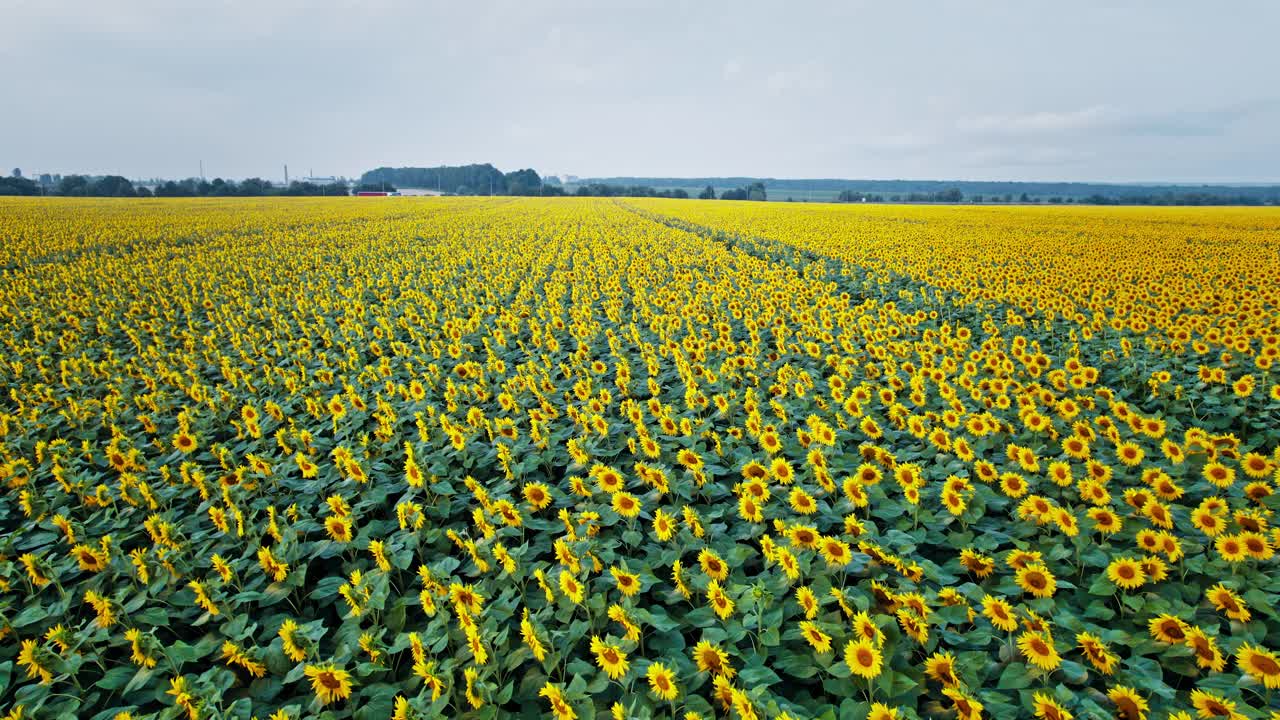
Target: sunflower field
x=576 y=458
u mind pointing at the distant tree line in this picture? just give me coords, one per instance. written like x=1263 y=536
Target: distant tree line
x=1181 y=198
x=751 y=191
x=950 y=195
x=482 y=179
x=848 y=196
x=1168 y=198
x=485 y=179
x=605 y=190
x=990 y=191
x=18 y=185
x=118 y=186
x=252 y=187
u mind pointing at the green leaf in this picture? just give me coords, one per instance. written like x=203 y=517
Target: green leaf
x=116 y=678
x=1014 y=677
x=759 y=675
x=30 y=615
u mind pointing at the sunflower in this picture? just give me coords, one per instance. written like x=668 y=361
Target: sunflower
x=1261 y=664
x=820 y=641
x=753 y=470
x=1038 y=649
x=611 y=659
x=90 y=558
x=712 y=565
x=1258 y=491
x=1129 y=704
x=1097 y=652
x=871 y=428
x=1256 y=545
x=291 y=642
x=559 y=707
x=770 y=442
x=1018 y=559
x=664 y=525
x=1230 y=548
x=626 y=504
x=880 y=711
x=913 y=625
x=1251 y=520
x=339 y=528
x=689 y=459
x=1148 y=540
x=966 y=706
x=863 y=658
x=866 y=628
x=1224 y=599
x=1158 y=513
x=1210 y=705
x=980 y=565
x=609 y=479
x=1000 y=613
x=538 y=495
x=1066 y=522
x=329 y=682
x=954 y=502
x=1155 y=569
x=781 y=469
x=941 y=666
x=802 y=502
x=570 y=586
x=1046 y=708
x=835 y=552
x=662 y=682
x=749 y=509
x=1206 y=650
x=1126 y=573
x=808 y=602
x=790 y=566
x=1013 y=484
x=1037 y=580
x=1076 y=447
x=868 y=475
x=32 y=657
x=1129 y=453
x=1105 y=521
x=710 y=658
x=184 y=442
x=1168 y=629
x=721 y=603
x=1219 y=475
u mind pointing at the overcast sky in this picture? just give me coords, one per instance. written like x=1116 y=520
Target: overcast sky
x=1108 y=91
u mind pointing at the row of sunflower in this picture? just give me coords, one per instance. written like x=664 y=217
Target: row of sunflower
x=479 y=457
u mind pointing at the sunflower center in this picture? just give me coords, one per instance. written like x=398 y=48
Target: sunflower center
x=1266 y=665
